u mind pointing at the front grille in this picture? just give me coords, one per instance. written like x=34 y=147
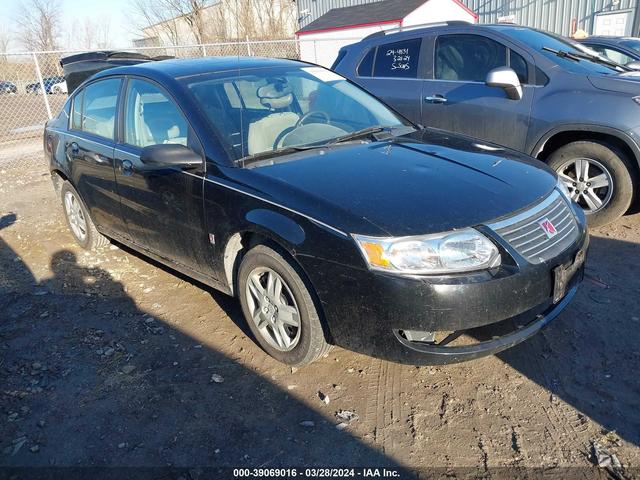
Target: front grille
x=524 y=232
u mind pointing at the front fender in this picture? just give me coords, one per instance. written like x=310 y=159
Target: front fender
x=276 y=225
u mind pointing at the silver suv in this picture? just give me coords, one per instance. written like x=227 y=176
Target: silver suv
x=523 y=88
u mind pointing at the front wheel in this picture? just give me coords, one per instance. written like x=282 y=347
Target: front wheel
x=278 y=307
x=599 y=178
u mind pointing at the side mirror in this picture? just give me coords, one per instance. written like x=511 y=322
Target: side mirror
x=635 y=65
x=507 y=79
x=170 y=155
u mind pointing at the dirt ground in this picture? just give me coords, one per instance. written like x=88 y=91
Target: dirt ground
x=106 y=359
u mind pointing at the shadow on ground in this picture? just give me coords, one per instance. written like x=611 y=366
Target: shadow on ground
x=590 y=356
x=121 y=388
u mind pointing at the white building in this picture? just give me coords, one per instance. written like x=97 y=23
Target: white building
x=321 y=39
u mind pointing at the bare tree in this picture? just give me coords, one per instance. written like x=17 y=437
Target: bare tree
x=253 y=19
x=38 y=24
x=95 y=34
x=178 y=21
x=200 y=21
x=4 y=44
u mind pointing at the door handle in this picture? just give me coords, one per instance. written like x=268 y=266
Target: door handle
x=437 y=98
x=126 y=167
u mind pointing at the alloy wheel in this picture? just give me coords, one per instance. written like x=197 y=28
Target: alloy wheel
x=273 y=308
x=75 y=215
x=588 y=181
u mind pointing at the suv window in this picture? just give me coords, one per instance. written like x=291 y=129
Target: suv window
x=365 y=69
x=519 y=65
x=398 y=59
x=151 y=117
x=467 y=57
x=99 y=107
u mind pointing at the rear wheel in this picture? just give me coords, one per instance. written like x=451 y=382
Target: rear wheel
x=279 y=308
x=599 y=178
x=82 y=227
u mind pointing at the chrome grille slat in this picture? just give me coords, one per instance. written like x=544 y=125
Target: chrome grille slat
x=519 y=245
x=554 y=244
x=560 y=232
x=542 y=214
x=524 y=233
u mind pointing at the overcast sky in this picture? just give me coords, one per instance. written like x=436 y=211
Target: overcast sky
x=116 y=12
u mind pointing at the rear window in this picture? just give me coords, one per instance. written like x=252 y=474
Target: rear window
x=398 y=59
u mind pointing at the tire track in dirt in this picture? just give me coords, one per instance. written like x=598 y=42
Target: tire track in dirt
x=384 y=407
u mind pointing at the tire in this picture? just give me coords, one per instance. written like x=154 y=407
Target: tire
x=79 y=222
x=309 y=338
x=609 y=164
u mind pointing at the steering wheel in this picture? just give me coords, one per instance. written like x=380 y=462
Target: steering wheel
x=311 y=114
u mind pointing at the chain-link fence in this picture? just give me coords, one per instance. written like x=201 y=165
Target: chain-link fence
x=32 y=88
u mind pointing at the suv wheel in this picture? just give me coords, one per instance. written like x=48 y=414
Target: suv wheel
x=82 y=227
x=599 y=178
x=278 y=307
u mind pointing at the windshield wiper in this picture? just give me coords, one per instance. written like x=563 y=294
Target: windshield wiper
x=300 y=148
x=275 y=153
x=577 y=56
x=365 y=132
x=563 y=54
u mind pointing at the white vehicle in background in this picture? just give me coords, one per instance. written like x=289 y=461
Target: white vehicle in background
x=60 y=87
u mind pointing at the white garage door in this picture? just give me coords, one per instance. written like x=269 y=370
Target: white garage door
x=613 y=23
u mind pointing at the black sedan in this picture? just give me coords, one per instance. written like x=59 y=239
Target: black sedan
x=333 y=219
x=623 y=50
x=48 y=83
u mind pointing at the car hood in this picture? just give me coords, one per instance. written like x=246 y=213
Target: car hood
x=628 y=82
x=430 y=181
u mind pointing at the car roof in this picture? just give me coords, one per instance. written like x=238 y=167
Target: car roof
x=442 y=27
x=608 y=37
x=187 y=67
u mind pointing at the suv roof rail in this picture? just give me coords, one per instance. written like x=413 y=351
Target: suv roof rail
x=448 y=23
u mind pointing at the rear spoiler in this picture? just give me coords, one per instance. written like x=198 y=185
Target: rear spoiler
x=77 y=68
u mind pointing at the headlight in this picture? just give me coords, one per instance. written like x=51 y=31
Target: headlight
x=460 y=251
x=564 y=190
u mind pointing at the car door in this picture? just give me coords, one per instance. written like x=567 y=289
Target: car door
x=161 y=205
x=456 y=97
x=89 y=148
x=391 y=72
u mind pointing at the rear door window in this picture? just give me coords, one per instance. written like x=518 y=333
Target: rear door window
x=99 y=107
x=398 y=59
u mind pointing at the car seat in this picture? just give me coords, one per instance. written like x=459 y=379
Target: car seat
x=263 y=133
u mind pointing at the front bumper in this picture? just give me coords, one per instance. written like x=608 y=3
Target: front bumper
x=368 y=311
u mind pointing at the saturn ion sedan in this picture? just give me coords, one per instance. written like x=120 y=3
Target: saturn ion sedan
x=333 y=220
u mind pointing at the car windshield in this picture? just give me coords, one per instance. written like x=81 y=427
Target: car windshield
x=632 y=43
x=261 y=112
x=546 y=44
